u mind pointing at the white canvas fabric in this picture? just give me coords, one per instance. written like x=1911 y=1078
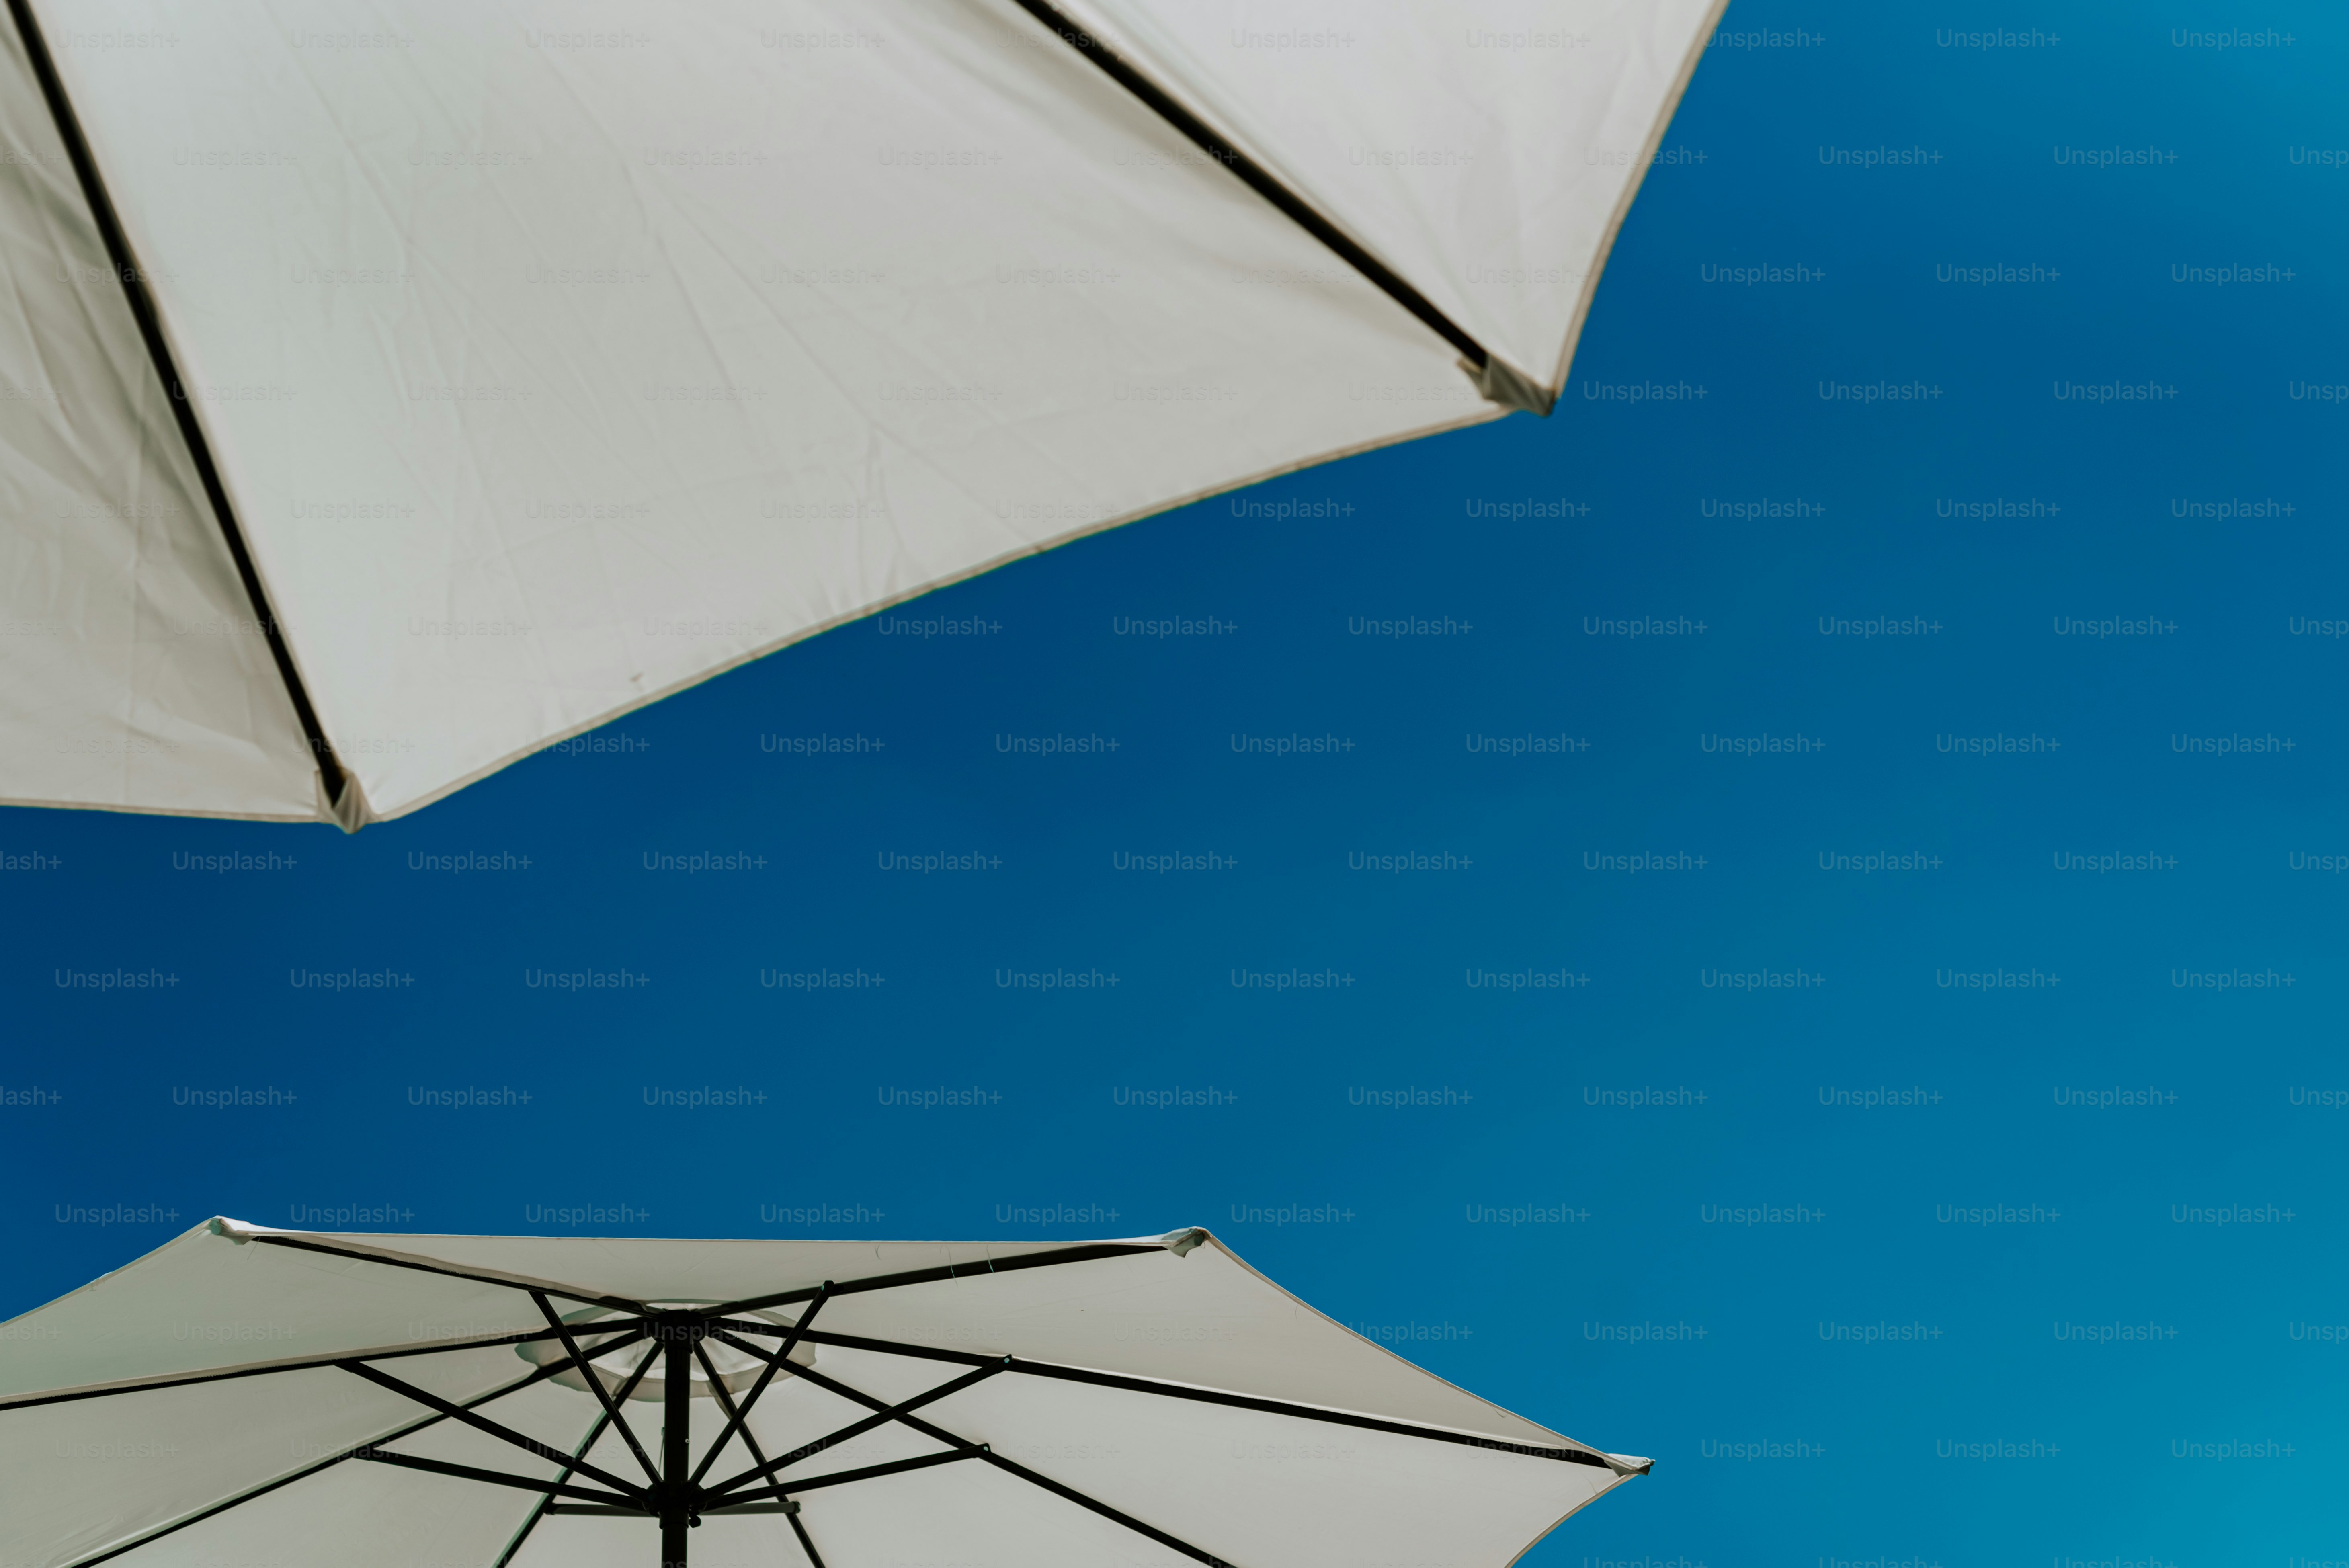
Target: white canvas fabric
x=1487 y=151
x=133 y=675
x=556 y=360
x=226 y=1434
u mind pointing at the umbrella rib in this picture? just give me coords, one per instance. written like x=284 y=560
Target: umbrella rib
x=493 y=1477
x=1012 y=1466
x=179 y=1380
x=1078 y=1254
x=595 y=1381
x=595 y=1431
x=547 y=1500
x=493 y=1428
x=806 y=1546
x=304 y=1473
x=733 y=1420
x=734 y=1417
x=1204 y=1396
x=398 y=1260
x=764 y=1471
x=1305 y=1412
x=1257 y=177
x=839 y=1477
x=332 y=777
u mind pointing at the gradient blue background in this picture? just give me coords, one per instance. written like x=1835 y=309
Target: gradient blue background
x=1517 y=1312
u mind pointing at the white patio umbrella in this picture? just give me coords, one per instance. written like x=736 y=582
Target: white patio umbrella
x=393 y=389
x=245 y=1395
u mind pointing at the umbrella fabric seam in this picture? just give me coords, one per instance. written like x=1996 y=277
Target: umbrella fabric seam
x=263 y=1370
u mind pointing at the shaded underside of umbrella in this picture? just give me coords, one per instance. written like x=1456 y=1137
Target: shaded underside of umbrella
x=251 y=1395
x=395 y=393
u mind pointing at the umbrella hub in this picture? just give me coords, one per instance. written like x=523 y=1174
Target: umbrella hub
x=737 y=1369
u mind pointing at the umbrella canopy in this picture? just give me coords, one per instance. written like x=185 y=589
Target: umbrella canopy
x=399 y=388
x=251 y=1395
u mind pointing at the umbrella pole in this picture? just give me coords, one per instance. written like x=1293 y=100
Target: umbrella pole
x=676 y=1411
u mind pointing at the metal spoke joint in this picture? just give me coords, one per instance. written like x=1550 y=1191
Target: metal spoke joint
x=678 y=1499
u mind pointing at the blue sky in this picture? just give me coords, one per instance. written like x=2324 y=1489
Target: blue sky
x=1888 y=806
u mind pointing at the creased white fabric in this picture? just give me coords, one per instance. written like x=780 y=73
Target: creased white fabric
x=560 y=358
x=133 y=673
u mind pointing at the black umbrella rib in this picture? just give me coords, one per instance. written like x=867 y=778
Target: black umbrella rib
x=488 y=1477
x=546 y=1503
x=1257 y=177
x=1304 y=1412
x=595 y=1381
x=1086 y=1253
x=1175 y=1543
x=305 y=1472
x=764 y=1471
x=305 y=1245
x=150 y=320
x=568 y=1509
x=494 y=1428
x=806 y=1546
x=1198 y=1395
x=398 y=1352
x=841 y=1478
x=497 y=1478
x=1010 y=1467
x=735 y=1417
